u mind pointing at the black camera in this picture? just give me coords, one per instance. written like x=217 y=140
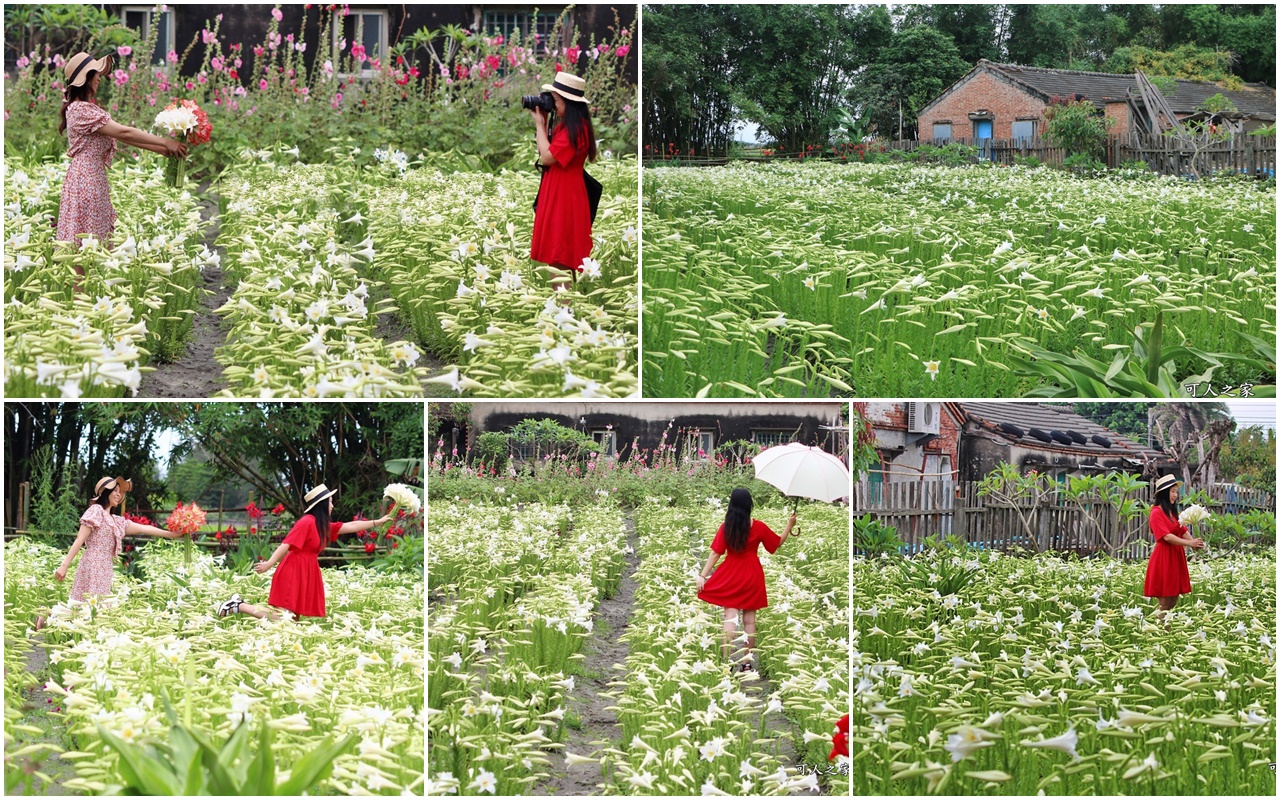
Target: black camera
x=543 y=101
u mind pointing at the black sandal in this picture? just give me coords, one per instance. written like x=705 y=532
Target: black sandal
x=232 y=606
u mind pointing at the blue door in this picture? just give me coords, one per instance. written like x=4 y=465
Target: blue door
x=982 y=136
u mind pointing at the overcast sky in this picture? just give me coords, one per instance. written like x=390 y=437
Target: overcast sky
x=1253 y=412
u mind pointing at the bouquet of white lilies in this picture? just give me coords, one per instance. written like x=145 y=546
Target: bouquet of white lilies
x=1193 y=514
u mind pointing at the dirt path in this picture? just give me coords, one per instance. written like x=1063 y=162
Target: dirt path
x=37 y=706
x=776 y=726
x=197 y=374
x=599 y=727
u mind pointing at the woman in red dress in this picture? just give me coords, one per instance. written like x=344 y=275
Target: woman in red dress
x=86 y=208
x=297 y=586
x=739 y=584
x=562 y=223
x=1167 y=575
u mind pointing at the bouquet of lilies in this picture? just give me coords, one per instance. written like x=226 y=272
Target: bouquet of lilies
x=1192 y=514
x=187 y=122
x=404 y=497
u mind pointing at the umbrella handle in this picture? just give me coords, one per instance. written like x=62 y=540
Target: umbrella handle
x=795 y=505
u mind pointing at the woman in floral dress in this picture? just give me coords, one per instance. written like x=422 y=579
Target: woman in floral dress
x=86 y=208
x=101 y=535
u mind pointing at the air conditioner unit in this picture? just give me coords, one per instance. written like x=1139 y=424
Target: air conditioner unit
x=923 y=417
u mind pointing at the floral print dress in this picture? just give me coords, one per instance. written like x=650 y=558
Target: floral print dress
x=97 y=560
x=86 y=196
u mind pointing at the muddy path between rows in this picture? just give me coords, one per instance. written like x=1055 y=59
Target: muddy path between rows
x=603 y=649
x=197 y=374
x=39 y=708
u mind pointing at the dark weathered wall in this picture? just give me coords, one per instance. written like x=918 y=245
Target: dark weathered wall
x=979 y=455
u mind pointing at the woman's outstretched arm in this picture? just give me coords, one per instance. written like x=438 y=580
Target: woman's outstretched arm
x=791 y=523
x=144 y=140
x=138 y=529
x=60 y=574
x=362 y=525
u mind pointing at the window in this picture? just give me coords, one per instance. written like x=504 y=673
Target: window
x=701 y=444
x=769 y=438
x=510 y=22
x=1024 y=129
x=608 y=441
x=942 y=132
x=138 y=18
x=524 y=450
x=372 y=29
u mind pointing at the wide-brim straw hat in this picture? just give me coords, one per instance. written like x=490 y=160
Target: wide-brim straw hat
x=317 y=494
x=1166 y=482
x=568 y=86
x=123 y=484
x=80 y=66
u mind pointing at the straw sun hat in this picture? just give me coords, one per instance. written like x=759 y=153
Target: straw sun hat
x=568 y=86
x=1166 y=482
x=317 y=494
x=81 y=65
x=124 y=484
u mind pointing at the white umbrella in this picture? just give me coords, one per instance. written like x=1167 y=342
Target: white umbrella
x=802 y=471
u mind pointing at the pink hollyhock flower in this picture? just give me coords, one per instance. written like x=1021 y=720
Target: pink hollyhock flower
x=216 y=63
x=262 y=84
x=257 y=50
x=622 y=50
x=277 y=14
x=124 y=50
x=207 y=36
x=172 y=58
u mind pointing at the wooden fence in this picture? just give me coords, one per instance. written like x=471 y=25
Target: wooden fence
x=1254 y=156
x=919 y=509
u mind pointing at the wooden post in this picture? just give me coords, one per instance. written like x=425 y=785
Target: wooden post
x=222 y=502
x=24 y=505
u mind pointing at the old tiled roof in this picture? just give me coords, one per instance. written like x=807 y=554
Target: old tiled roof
x=1050 y=418
x=1253 y=99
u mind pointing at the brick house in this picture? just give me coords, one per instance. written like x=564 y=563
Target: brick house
x=915 y=441
x=1007 y=101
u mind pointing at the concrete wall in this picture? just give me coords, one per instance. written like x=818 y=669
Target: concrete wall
x=982 y=451
x=645 y=423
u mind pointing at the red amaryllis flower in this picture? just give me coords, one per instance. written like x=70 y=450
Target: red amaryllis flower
x=279 y=509
x=369 y=547
x=840 y=741
x=253 y=511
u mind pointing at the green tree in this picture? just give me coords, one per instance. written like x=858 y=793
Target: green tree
x=1187 y=62
x=1249 y=458
x=974 y=28
x=795 y=64
x=1077 y=127
x=1126 y=419
x=688 y=60
x=913 y=69
x=1248 y=32
x=283 y=449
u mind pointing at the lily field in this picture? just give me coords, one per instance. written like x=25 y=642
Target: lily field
x=341 y=281
x=822 y=279
x=113 y=663
x=1055 y=675
x=516 y=598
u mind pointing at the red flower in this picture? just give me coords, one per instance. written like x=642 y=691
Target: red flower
x=235 y=76
x=369 y=547
x=279 y=509
x=414 y=71
x=218 y=535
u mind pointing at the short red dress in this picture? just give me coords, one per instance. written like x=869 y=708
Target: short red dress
x=297 y=585
x=739 y=581
x=86 y=196
x=1167 y=574
x=562 y=223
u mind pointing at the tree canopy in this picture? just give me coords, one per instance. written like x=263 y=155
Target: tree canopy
x=794 y=70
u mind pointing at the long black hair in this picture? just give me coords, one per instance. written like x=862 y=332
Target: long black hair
x=577 y=118
x=737 y=520
x=74 y=93
x=321 y=515
x=1169 y=507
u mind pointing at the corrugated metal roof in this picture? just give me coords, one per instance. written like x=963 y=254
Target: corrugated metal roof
x=1254 y=98
x=1055 y=418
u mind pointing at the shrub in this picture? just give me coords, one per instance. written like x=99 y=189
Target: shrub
x=1076 y=126
x=436 y=91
